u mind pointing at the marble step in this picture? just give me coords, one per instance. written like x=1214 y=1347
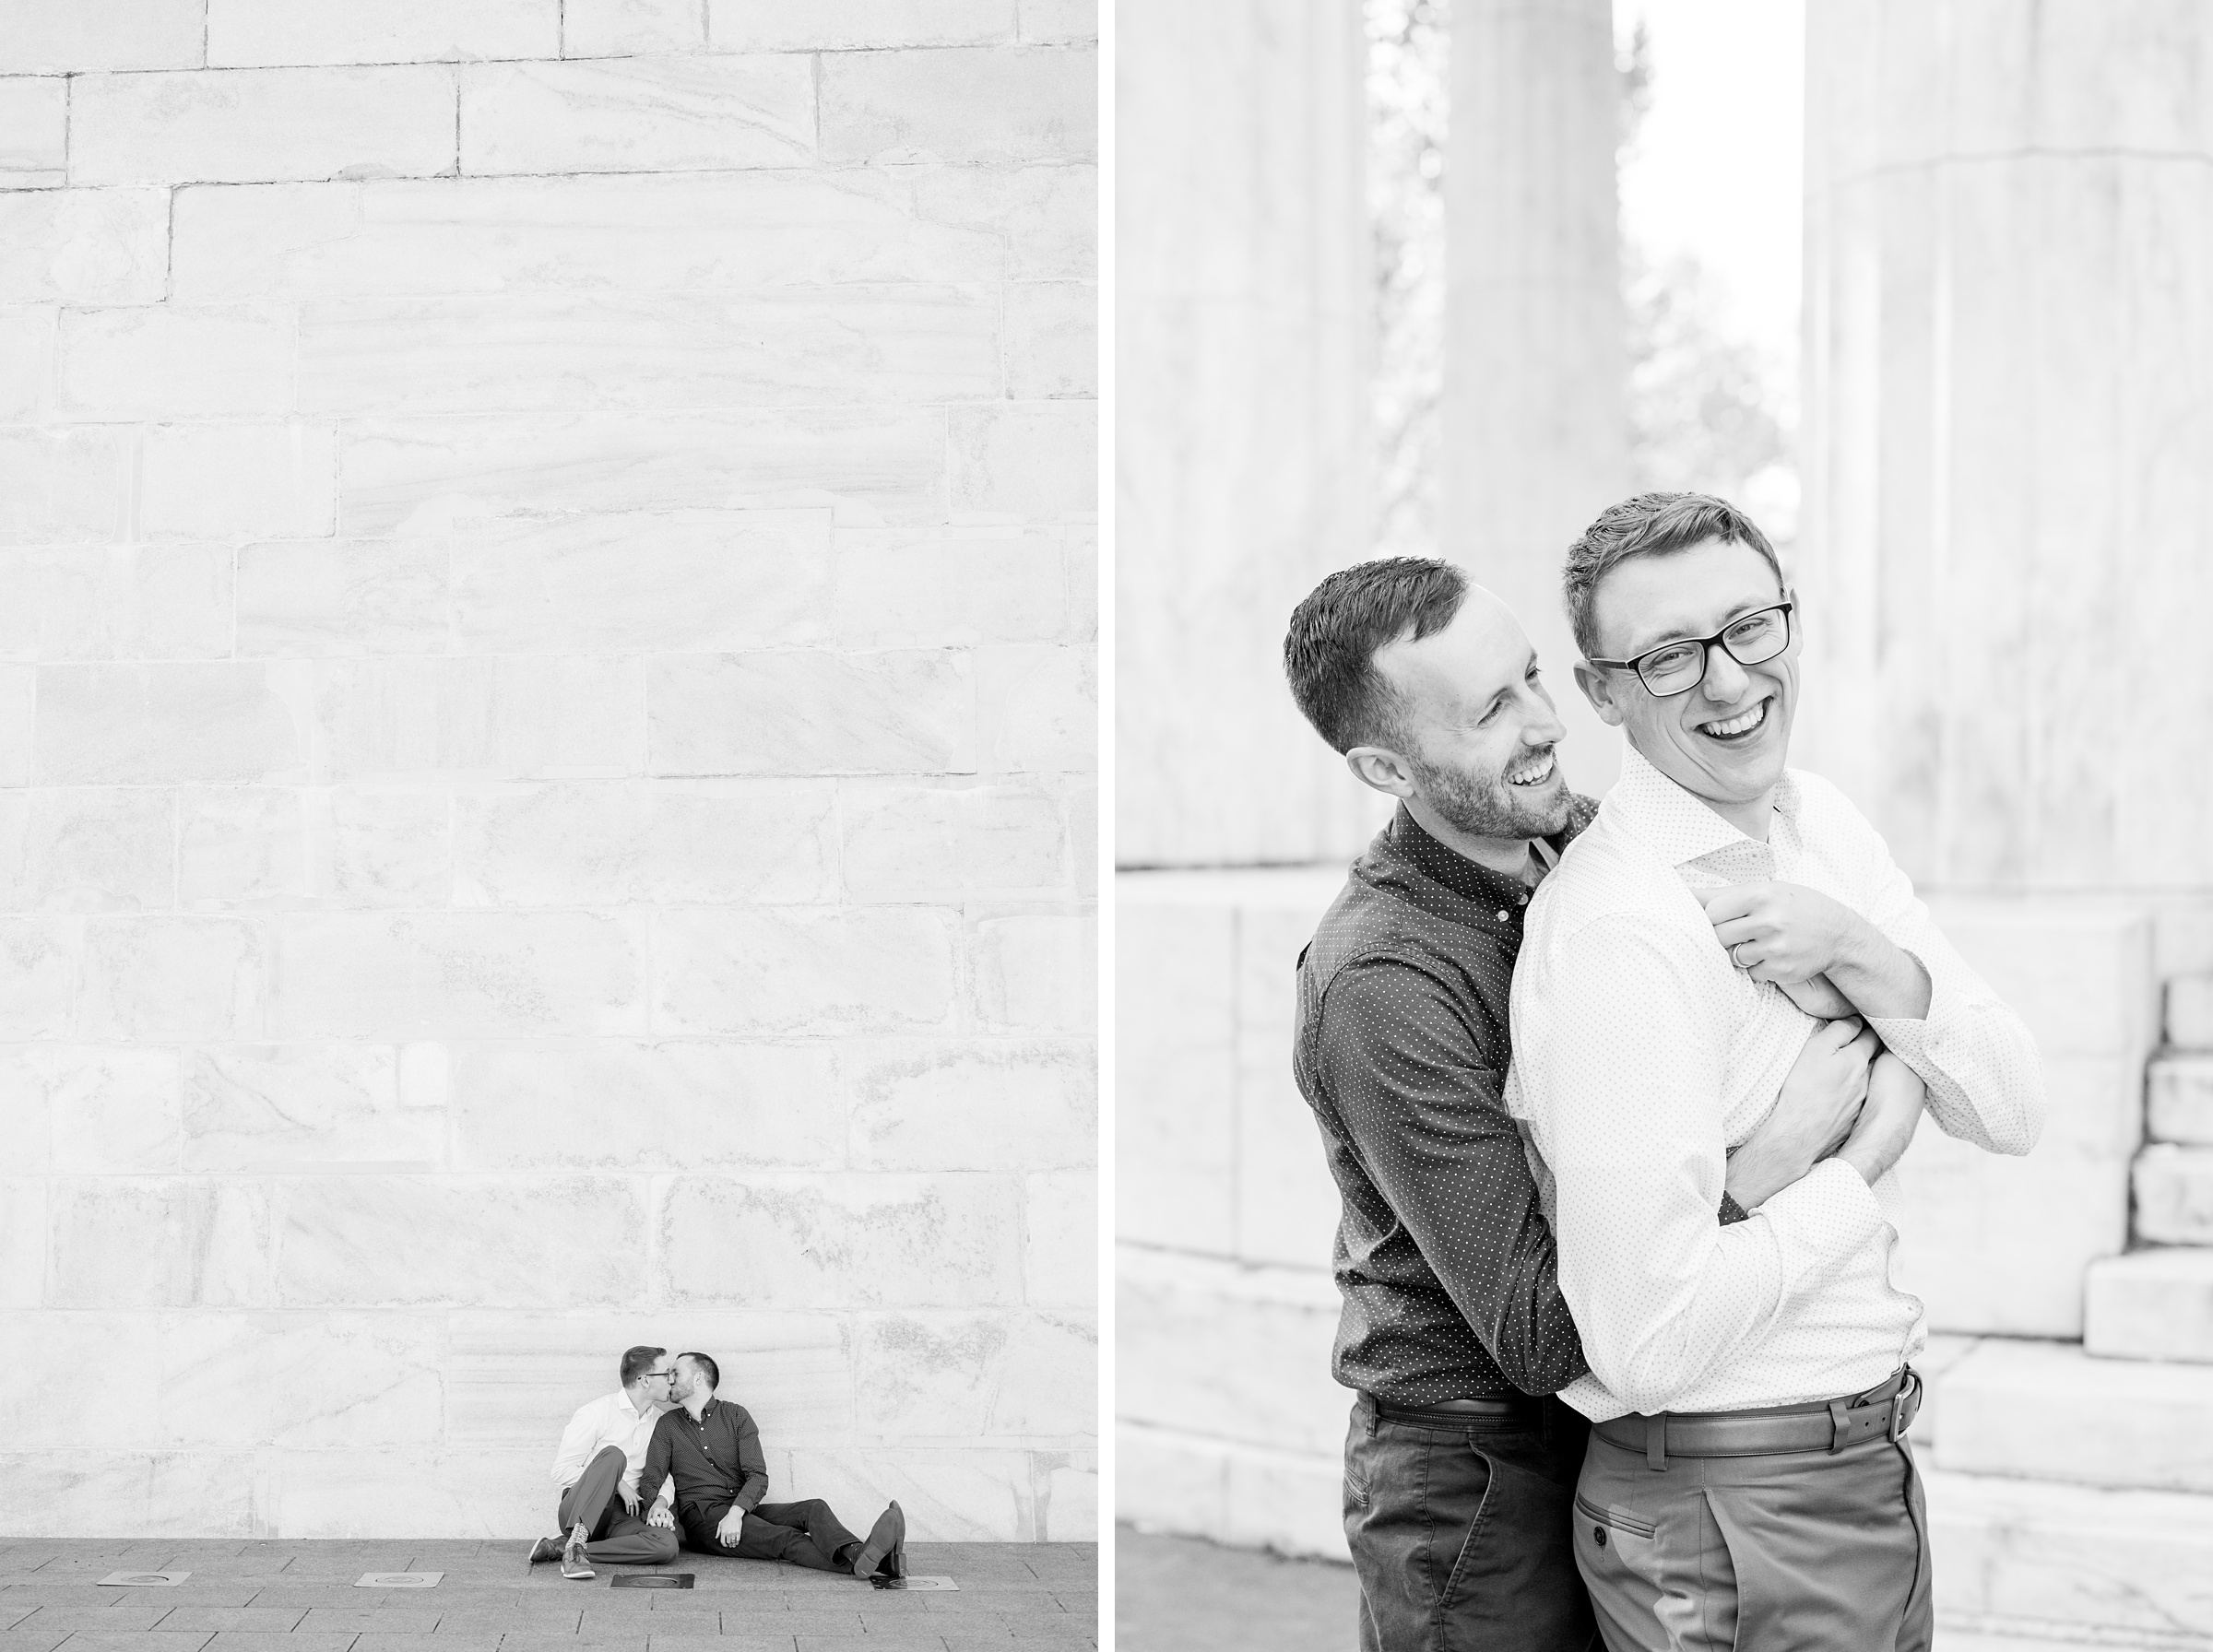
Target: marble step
x=2151 y=1304
x=2035 y=1564
x=2190 y=1012
x=2179 y=1099
x=2049 y=1411
x=2173 y=1188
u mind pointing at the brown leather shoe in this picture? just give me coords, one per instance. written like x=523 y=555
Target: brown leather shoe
x=545 y=1549
x=887 y=1541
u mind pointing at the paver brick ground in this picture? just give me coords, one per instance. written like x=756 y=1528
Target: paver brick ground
x=1185 y=1595
x=284 y=1596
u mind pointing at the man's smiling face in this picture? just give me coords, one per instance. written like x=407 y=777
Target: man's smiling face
x=1727 y=741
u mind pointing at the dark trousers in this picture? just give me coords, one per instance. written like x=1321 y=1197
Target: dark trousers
x=806 y=1534
x=616 y=1536
x=1464 y=1535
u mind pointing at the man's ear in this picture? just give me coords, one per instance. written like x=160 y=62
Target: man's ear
x=1381 y=767
x=1598 y=689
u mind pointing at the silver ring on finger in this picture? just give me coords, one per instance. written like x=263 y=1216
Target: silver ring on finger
x=1737 y=959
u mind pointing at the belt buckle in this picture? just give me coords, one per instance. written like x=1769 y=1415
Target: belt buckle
x=1910 y=1385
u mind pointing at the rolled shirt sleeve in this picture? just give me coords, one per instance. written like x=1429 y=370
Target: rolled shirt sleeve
x=1631 y=1128
x=1984 y=1078
x=1426 y=1117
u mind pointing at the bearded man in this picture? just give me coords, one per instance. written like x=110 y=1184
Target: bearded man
x=1460 y=1462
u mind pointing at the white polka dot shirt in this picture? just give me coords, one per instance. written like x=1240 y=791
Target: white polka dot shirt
x=1642 y=1055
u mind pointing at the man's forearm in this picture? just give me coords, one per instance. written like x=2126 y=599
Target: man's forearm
x=1881 y=977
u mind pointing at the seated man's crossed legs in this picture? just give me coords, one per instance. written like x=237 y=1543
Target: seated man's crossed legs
x=806 y=1534
x=614 y=1537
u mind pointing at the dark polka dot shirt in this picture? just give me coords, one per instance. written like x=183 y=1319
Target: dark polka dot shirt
x=1443 y=1256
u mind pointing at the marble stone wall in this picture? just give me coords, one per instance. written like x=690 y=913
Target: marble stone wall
x=546 y=751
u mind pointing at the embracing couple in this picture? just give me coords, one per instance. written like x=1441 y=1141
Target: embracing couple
x=1612 y=1093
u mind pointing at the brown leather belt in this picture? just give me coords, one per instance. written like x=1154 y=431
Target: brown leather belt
x=1462 y=1413
x=1886 y=1410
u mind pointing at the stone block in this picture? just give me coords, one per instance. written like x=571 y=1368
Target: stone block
x=636 y=234
x=939 y=1378
x=1054 y=22
x=459 y=1240
x=166 y=602
x=2190 y=1012
x=2179 y=1100
x=37 y=38
x=841 y=1240
x=690 y=582
x=1049 y=215
x=2175 y=1194
x=172 y=979
x=95 y=849
x=1176 y=1066
x=629 y=1105
x=2151 y=1304
x=203 y=128
x=1232 y=1352
x=83 y=246
x=211 y=723
x=675 y=113
x=1168 y=1481
x=70 y=1337
x=17 y=728
x=949 y=589
x=950 y=1495
x=1035 y=460
x=418 y=475
x=461 y=974
x=1037 y=709
x=34 y=129
x=26 y=365
x=972 y=1105
x=1287 y=1503
x=304 y=1107
x=992 y=106
x=218 y=482
x=104 y=1109
x=2079 y=976
x=948 y=839
x=797 y=347
x=515 y=1379
x=768 y=972
x=342 y=597
x=82 y=1493
x=807 y=711
x=620 y=27
x=266 y=33
x=1061 y=1239
x=854 y=25
x=616 y=844
x=1035 y=972
x=38 y=975
x=22 y=1241
x=162 y=362
x=1052 y=340
x=345 y=1380
x=243 y=847
x=407 y=1492
x=516 y=717
x=62 y=487
x=156 y=1242
x=2130 y=1422
x=2103 y=1562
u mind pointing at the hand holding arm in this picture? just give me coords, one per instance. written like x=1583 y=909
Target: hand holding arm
x=1791 y=935
x=1820 y=1101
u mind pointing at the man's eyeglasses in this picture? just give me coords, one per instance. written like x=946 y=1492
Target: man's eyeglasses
x=1679 y=667
x=664 y=1375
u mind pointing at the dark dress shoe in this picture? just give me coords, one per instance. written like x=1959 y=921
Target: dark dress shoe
x=545 y=1549
x=887 y=1540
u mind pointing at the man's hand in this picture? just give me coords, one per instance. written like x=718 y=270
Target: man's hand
x=1792 y=935
x=1895 y=1098
x=732 y=1524
x=1820 y=1101
x=630 y=1502
x=658 y=1515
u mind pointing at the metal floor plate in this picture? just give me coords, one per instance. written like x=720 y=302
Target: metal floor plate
x=914 y=1583
x=151 y=1580
x=398 y=1580
x=651 y=1580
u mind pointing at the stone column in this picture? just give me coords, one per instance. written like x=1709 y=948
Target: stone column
x=1244 y=427
x=2008 y=460
x=1536 y=431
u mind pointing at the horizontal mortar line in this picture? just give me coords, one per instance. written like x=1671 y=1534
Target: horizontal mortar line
x=1007 y=167
x=1939 y=162
x=677 y=53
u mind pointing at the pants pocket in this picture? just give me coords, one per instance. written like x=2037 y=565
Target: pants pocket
x=1609 y=1519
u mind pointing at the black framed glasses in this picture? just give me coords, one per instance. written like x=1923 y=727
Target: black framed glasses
x=1679 y=667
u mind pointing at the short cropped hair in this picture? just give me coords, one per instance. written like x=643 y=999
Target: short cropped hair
x=1652 y=525
x=709 y=1366
x=1330 y=651
x=638 y=1361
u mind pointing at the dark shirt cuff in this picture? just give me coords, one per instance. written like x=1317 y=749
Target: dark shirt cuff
x=1732 y=1211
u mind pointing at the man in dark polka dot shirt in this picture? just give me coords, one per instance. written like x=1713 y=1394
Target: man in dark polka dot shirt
x=1460 y=1465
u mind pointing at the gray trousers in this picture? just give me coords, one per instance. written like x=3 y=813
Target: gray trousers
x=1805 y=1552
x=615 y=1536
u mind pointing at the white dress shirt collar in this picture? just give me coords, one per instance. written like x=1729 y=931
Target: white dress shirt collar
x=1680 y=826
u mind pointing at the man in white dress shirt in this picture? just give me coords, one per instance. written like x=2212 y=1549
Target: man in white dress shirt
x=1747 y=1482
x=597 y=1468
